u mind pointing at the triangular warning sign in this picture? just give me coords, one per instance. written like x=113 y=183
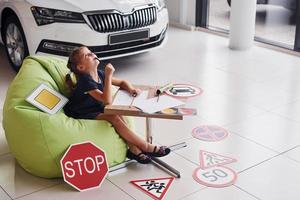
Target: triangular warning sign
x=209 y=159
x=156 y=188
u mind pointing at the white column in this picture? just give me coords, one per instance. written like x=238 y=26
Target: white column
x=183 y=6
x=242 y=24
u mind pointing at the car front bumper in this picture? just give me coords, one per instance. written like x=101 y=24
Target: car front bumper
x=103 y=51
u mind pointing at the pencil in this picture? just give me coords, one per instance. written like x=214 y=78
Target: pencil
x=164 y=88
x=131 y=102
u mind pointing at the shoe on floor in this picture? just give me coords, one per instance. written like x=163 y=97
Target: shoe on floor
x=141 y=157
x=162 y=151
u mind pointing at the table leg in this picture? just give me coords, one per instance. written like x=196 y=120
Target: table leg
x=121 y=166
x=149 y=130
x=163 y=165
x=166 y=167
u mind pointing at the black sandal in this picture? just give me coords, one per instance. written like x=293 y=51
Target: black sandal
x=162 y=151
x=141 y=157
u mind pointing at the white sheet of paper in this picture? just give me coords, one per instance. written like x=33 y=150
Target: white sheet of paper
x=123 y=98
x=152 y=106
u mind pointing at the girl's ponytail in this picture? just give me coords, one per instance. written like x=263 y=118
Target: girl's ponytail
x=74 y=59
x=69 y=81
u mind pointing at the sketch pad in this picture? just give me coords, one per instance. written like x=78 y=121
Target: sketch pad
x=123 y=98
x=151 y=105
x=47 y=99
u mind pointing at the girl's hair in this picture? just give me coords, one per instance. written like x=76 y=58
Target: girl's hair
x=73 y=61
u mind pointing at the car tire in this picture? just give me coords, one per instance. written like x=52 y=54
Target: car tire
x=14 y=41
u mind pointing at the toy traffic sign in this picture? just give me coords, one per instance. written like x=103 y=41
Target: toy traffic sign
x=209 y=133
x=184 y=91
x=156 y=188
x=84 y=166
x=209 y=159
x=47 y=99
x=181 y=111
x=218 y=176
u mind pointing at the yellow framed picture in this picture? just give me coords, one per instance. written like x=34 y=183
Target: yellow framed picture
x=47 y=99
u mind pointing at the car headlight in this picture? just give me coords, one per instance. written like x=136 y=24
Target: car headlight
x=45 y=16
x=161 y=4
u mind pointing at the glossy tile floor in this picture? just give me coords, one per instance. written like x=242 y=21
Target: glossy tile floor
x=254 y=94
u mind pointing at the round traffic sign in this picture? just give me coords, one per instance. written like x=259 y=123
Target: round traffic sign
x=184 y=91
x=218 y=176
x=209 y=133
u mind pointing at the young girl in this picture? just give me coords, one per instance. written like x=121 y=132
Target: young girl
x=93 y=91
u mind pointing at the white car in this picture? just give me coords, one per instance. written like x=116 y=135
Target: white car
x=110 y=28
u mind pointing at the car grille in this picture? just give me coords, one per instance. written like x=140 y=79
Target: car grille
x=110 y=22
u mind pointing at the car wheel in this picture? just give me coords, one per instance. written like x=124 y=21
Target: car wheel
x=229 y=2
x=15 y=42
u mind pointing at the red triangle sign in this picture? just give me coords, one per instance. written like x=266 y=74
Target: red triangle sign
x=156 y=188
x=209 y=159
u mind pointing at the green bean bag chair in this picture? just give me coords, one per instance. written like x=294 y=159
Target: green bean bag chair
x=37 y=139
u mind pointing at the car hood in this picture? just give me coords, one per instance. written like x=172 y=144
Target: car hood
x=91 y=5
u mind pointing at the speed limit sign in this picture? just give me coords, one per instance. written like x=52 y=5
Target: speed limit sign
x=218 y=176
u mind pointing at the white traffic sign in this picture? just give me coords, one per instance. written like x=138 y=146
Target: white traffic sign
x=156 y=188
x=209 y=133
x=218 y=176
x=209 y=159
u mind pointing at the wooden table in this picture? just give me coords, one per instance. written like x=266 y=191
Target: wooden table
x=132 y=111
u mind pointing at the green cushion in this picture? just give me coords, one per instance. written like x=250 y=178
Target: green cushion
x=38 y=140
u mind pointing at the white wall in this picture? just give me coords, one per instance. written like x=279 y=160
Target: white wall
x=182 y=11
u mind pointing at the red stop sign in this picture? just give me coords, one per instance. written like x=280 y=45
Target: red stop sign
x=84 y=166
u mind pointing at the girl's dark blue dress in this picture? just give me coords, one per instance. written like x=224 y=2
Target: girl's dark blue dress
x=81 y=105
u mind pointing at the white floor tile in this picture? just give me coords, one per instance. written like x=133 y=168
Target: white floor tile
x=290 y=111
x=221 y=81
x=179 y=188
x=270 y=130
x=3 y=195
x=258 y=70
x=168 y=132
x=294 y=154
x=276 y=179
x=246 y=153
x=288 y=82
x=231 y=193
x=260 y=92
x=17 y=182
x=222 y=109
x=261 y=96
x=226 y=82
x=65 y=192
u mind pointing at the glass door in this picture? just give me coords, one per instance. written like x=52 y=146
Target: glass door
x=276 y=20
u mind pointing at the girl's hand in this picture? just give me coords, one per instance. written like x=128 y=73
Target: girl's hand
x=109 y=69
x=135 y=91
